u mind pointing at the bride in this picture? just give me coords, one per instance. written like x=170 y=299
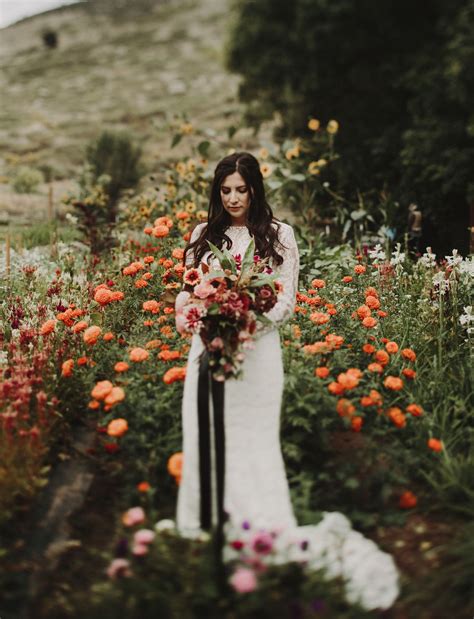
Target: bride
x=256 y=492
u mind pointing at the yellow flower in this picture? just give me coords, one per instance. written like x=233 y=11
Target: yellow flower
x=266 y=170
x=190 y=207
x=313 y=167
x=314 y=124
x=332 y=127
x=201 y=214
x=263 y=153
x=181 y=169
x=186 y=128
x=321 y=162
x=292 y=152
x=191 y=165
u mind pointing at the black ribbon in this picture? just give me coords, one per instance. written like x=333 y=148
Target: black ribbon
x=205 y=481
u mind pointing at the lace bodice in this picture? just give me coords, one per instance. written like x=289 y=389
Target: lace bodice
x=288 y=271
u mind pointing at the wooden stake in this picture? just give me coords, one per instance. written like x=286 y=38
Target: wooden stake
x=7 y=253
x=50 y=203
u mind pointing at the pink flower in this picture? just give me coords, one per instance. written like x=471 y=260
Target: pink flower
x=139 y=549
x=217 y=343
x=204 y=289
x=262 y=542
x=143 y=536
x=119 y=567
x=243 y=580
x=134 y=515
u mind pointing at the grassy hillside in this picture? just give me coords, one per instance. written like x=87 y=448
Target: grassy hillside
x=112 y=69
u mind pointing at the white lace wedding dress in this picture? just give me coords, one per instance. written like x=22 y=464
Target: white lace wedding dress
x=256 y=486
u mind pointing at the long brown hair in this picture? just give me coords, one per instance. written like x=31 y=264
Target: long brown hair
x=260 y=215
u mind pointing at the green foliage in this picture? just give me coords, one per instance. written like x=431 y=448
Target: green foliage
x=114 y=155
x=395 y=75
x=27 y=179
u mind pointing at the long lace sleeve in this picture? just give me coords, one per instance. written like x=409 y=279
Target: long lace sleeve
x=288 y=273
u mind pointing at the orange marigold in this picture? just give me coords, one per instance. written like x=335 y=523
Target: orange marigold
x=347 y=278
x=396 y=415
x=322 y=372
x=335 y=388
x=368 y=348
x=319 y=318
x=372 y=302
x=370 y=291
x=169 y=355
x=334 y=341
x=415 y=410
x=348 y=380
x=382 y=356
x=48 y=326
x=391 y=347
x=356 y=423
x=160 y=231
x=408 y=353
x=345 y=408
x=121 y=366
x=318 y=283
x=369 y=322
x=115 y=395
x=141 y=283
x=363 y=311
x=359 y=268
x=316 y=348
x=393 y=382
x=103 y=296
x=91 y=334
x=435 y=444
x=175 y=464
x=101 y=389
x=375 y=367
x=409 y=373
x=138 y=354
x=107 y=337
x=66 y=368
x=174 y=374
x=151 y=306
x=407 y=500
x=143 y=486
x=117 y=427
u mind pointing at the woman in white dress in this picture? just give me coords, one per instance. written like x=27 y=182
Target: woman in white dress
x=256 y=486
x=256 y=492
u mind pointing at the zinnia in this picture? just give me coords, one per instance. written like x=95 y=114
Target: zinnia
x=138 y=354
x=393 y=382
x=435 y=444
x=174 y=374
x=66 y=368
x=91 y=334
x=48 y=326
x=102 y=388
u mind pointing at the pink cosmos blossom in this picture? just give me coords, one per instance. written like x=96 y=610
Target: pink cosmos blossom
x=243 y=580
x=119 y=567
x=134 y=515
x=139 y=549
x=204 y=289
x=143 y=536
x=262 y=542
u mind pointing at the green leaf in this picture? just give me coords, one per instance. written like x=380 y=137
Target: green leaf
x=203 y=147
x=176 y=139
x=247 y=261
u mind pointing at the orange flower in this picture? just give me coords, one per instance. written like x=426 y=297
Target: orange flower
x=347 y=278
x=376 y=397
x=316 y=348
x=391 y=347
x=393 y=382
x=175 y=464
x=359 y=268
x=163 y=220
x=382 y=357
x=368 y=348
x=366 y=401
x=82 y=361
x=335 y=388
x=91 y=334
x=148 y=259
x=117 y=295
x=147 y=276
x=160 y=231
x=66 y=368
x=322 y=372
x=372 y=302
x=141 y=283
x=143 y=486
x=371 y=292
x=375 y=367
x=178 y=253
x=130 y=270
x=435 y=444
x=363 y=311
x=101 y=389
x=381 y=313
x=415 y=410
x=396 y=415
x=407 y=500
x=93 y=404
x=151 y=306
x=148 y=323
x=174 y=374
x=115 y=395
x=48 y=326
x=408 y=353
x=169 y=355
x=138 y=354
x=148 y=230
x=117 y=427
x=409 y=373
x=121 y=366
x=356 y=423
x=334 y=341
x=347 y=380
x=369 y=322
x=319 y=318
x=107 y=337
x=103 y=296
x=318 y=283
x=345 y=408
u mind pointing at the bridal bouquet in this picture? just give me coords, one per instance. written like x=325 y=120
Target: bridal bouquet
x=225 y=306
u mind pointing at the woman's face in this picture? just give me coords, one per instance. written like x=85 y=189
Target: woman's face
x=235 y=196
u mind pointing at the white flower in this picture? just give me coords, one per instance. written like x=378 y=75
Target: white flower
x=439 y=280
x=398 y=257
x=467 y=266
x=428 y=259
x=454 y=260
x=164 y=525
x=377 y=253
x=467 y=318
